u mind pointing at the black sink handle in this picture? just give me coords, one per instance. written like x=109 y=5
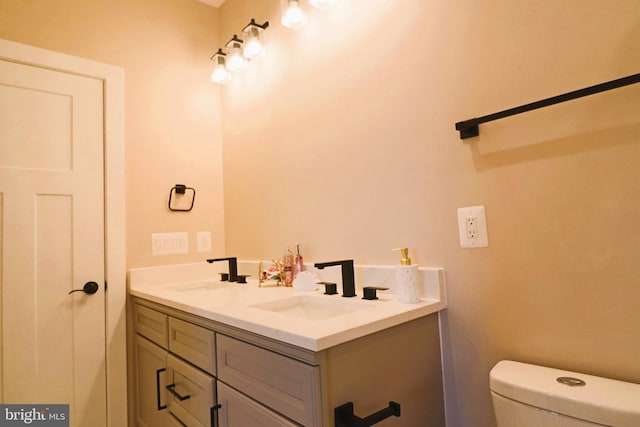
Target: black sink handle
x=370 y=292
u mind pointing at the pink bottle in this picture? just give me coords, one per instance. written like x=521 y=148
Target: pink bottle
x=288 y=268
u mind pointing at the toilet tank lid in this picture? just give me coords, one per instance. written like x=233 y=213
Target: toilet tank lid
x=600 y=400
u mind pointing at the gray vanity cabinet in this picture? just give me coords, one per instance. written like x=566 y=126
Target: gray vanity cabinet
x=242 y=379
x=175 y=378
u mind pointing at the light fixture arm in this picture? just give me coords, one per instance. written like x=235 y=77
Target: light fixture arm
x=254 y=25
x=235 y=42
x=218 y=56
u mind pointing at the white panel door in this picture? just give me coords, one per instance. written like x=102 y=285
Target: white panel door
x=52 y=240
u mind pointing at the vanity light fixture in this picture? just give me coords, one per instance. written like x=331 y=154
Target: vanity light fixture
x=322 y=4
x=235 y=60
x=252 y=47
x=236 y=53
x=220 y=73
x=293 y=16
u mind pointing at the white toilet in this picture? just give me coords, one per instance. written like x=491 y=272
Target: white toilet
x=535 y=396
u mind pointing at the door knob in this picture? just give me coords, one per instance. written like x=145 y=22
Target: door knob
x=89 y=288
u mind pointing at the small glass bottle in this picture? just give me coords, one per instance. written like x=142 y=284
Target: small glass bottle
x=298 y=263
x=288 y=268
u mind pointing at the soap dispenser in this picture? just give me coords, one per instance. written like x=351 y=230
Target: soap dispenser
x=406 y=283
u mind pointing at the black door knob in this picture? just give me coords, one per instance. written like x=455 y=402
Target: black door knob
x=89 y=288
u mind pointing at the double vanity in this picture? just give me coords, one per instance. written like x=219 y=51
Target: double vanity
x=211 y=353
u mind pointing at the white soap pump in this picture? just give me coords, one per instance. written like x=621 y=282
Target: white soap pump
x=406 y=284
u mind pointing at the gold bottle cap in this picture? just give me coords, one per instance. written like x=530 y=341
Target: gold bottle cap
x=405 y=260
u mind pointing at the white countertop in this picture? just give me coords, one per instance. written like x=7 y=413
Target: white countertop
x=195 y=288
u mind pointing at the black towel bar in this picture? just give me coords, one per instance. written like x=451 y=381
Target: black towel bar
x=470 y=128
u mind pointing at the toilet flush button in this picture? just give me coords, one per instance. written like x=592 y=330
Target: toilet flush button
x=571 y=382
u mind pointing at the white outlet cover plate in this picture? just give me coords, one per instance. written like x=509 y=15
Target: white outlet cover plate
x=204 y=241
x=477 y=212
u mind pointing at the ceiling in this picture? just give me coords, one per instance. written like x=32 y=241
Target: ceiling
x=214 y=3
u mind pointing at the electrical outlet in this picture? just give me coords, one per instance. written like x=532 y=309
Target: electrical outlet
x=472 y=227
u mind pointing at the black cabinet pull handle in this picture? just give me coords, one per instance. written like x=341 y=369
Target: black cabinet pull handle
x=160 y=405
x=89 y=288
x=214 y=418
x=177 y=395
x=344 y=416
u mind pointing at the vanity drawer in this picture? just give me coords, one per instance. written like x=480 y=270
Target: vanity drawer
x=192 y=343
x=236 y=409
x=191 y=393
x=151 y=324
x=285 y=385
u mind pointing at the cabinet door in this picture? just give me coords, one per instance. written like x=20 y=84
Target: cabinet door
x=237 y=410
x=192 y=393
x=151 y=398
x=287 y=386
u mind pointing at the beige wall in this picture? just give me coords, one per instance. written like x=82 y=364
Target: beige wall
x=172 y=117
x=343 y=139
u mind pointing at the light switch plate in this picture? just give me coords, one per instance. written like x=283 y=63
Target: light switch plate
x=472 y=227
x=169 y=243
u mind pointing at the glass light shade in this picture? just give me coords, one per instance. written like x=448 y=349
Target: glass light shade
x=235 y=60
x=322 y=4
x=293 y=16
x=252 y=48
x=220 y=75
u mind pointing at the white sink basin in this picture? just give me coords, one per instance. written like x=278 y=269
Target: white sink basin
x=311 y=307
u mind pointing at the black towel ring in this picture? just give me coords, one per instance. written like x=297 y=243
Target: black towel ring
x=181 y=189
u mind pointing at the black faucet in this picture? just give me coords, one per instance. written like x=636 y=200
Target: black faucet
x=348 y=278
x=233 y=267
